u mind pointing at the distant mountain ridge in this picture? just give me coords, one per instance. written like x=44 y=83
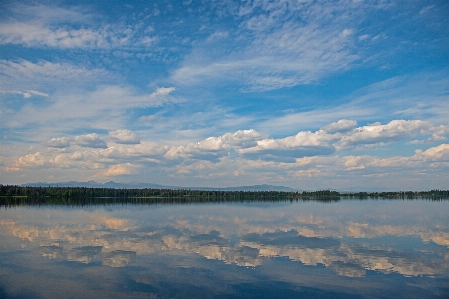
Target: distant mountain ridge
x=141 y=185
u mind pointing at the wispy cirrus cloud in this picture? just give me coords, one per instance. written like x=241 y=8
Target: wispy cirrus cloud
x=45 y=74
x=283 y=54
x=32 y=35
x=71 y=109
x=26 y=94
x=67 y=28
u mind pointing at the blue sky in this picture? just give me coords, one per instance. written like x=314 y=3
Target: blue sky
x=306 y=94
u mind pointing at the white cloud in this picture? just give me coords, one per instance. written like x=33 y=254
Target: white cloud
x=251 y=145
x=423 y=94
x=342 y=125
x=50 y=14
x=286 y=124
x=162 y=91
x=143 y=150
x=26 y=94
x=38 y=74
x=280 y=53
x=395 y=130
x=37 y=93
x=363 y=37
x=287 y=149
x=61 y=142
x=104 y=108
x=419 y=160
x=438 y=153
x=57 y=27
x=31 y=160
x=90 y=140
x=32 y=35
x=210 y=161
x=245 y=151
x=124 y=137
x=98 y=158
x=213 y=148
x=116 y=170
x=242 y=138
x=86 y=160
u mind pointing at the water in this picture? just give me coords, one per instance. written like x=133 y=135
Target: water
x=305 y=249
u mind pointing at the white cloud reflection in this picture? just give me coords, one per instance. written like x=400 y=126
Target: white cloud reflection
x=349 y=247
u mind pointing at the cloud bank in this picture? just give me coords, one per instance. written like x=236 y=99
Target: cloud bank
x=304 y=155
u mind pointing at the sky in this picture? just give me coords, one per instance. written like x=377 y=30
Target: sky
x=305 y=94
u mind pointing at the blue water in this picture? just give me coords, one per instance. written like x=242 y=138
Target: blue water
x=345 y=249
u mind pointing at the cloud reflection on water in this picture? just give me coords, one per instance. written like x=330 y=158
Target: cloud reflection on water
x=306 y=238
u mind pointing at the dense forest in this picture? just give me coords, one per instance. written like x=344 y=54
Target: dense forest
x=10 y=194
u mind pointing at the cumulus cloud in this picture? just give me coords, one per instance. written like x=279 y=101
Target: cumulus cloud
x=242 y=138
x=287 y=149
x=80 y=160
x=438 y=153
x=434 y=155
x=245 y=153
x=395 y=130
x=342 y=125
x=336 y=136
x=354 y=162
x=99 y=158
x=31 y=160
x=61 y=142
x=250 y=144
x=124 y=137
x=213 y=148
x=90 y=140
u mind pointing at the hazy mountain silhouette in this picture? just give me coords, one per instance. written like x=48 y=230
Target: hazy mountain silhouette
x=141 y=185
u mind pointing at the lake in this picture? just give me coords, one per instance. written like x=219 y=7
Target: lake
x=294 y=249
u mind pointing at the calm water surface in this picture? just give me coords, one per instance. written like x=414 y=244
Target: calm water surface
x=305 y=249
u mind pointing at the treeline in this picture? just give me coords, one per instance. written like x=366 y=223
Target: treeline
x=71 y=192
x=443 y=194
x=11 y=194
x=19 y=195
